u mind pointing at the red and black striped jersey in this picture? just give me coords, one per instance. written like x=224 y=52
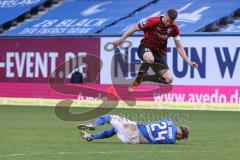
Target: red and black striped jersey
x=156 y=34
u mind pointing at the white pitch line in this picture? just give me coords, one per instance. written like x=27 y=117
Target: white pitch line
x=32 y=154
x=106 y=152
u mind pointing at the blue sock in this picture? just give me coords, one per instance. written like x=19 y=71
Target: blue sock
x=102 y=120
x=104 y=134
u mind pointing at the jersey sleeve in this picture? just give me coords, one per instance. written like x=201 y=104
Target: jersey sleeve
x=148 y=24
x=176 y=33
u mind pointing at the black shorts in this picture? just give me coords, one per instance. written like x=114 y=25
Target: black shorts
x=159 y=61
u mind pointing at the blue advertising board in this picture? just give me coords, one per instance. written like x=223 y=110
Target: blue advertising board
x=11 y=9
x=79 y=17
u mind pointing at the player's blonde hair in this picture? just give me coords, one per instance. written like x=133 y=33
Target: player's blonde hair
x=185 y=131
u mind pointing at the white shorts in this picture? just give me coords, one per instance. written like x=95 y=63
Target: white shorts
x=127 y=130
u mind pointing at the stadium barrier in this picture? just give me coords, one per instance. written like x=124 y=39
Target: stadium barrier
x=26 y=63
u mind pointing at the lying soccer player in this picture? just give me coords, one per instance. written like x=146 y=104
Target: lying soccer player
x=160 y=132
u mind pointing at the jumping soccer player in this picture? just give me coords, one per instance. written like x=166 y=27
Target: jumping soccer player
x=153 y=47
x=160 y=132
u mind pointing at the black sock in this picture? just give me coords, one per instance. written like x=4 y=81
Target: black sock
x=143 y=68
x=154 y=78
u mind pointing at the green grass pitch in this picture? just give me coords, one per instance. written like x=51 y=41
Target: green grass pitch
x=35 y=133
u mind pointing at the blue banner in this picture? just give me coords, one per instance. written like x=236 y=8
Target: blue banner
x=11 y=9
x=235 y=27
x=78 y=17
x=193 y=14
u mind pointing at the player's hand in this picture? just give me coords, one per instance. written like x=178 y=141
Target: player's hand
x=193 y=64
x=117 y=42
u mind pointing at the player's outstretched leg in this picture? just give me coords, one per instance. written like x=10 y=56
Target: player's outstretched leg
x=155 y=78
x=104 y=134
x=99 y=121
x=142 y=70
x=162 y=74
x=86 y=135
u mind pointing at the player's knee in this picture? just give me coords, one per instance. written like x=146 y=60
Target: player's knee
x=167 y=76
x=169 y=80
x=150 y=59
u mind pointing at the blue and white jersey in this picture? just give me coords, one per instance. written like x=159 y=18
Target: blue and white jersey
x=161 y=132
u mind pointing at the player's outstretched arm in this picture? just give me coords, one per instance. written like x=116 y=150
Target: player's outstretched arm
x=129 y=32
x=183 y=54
